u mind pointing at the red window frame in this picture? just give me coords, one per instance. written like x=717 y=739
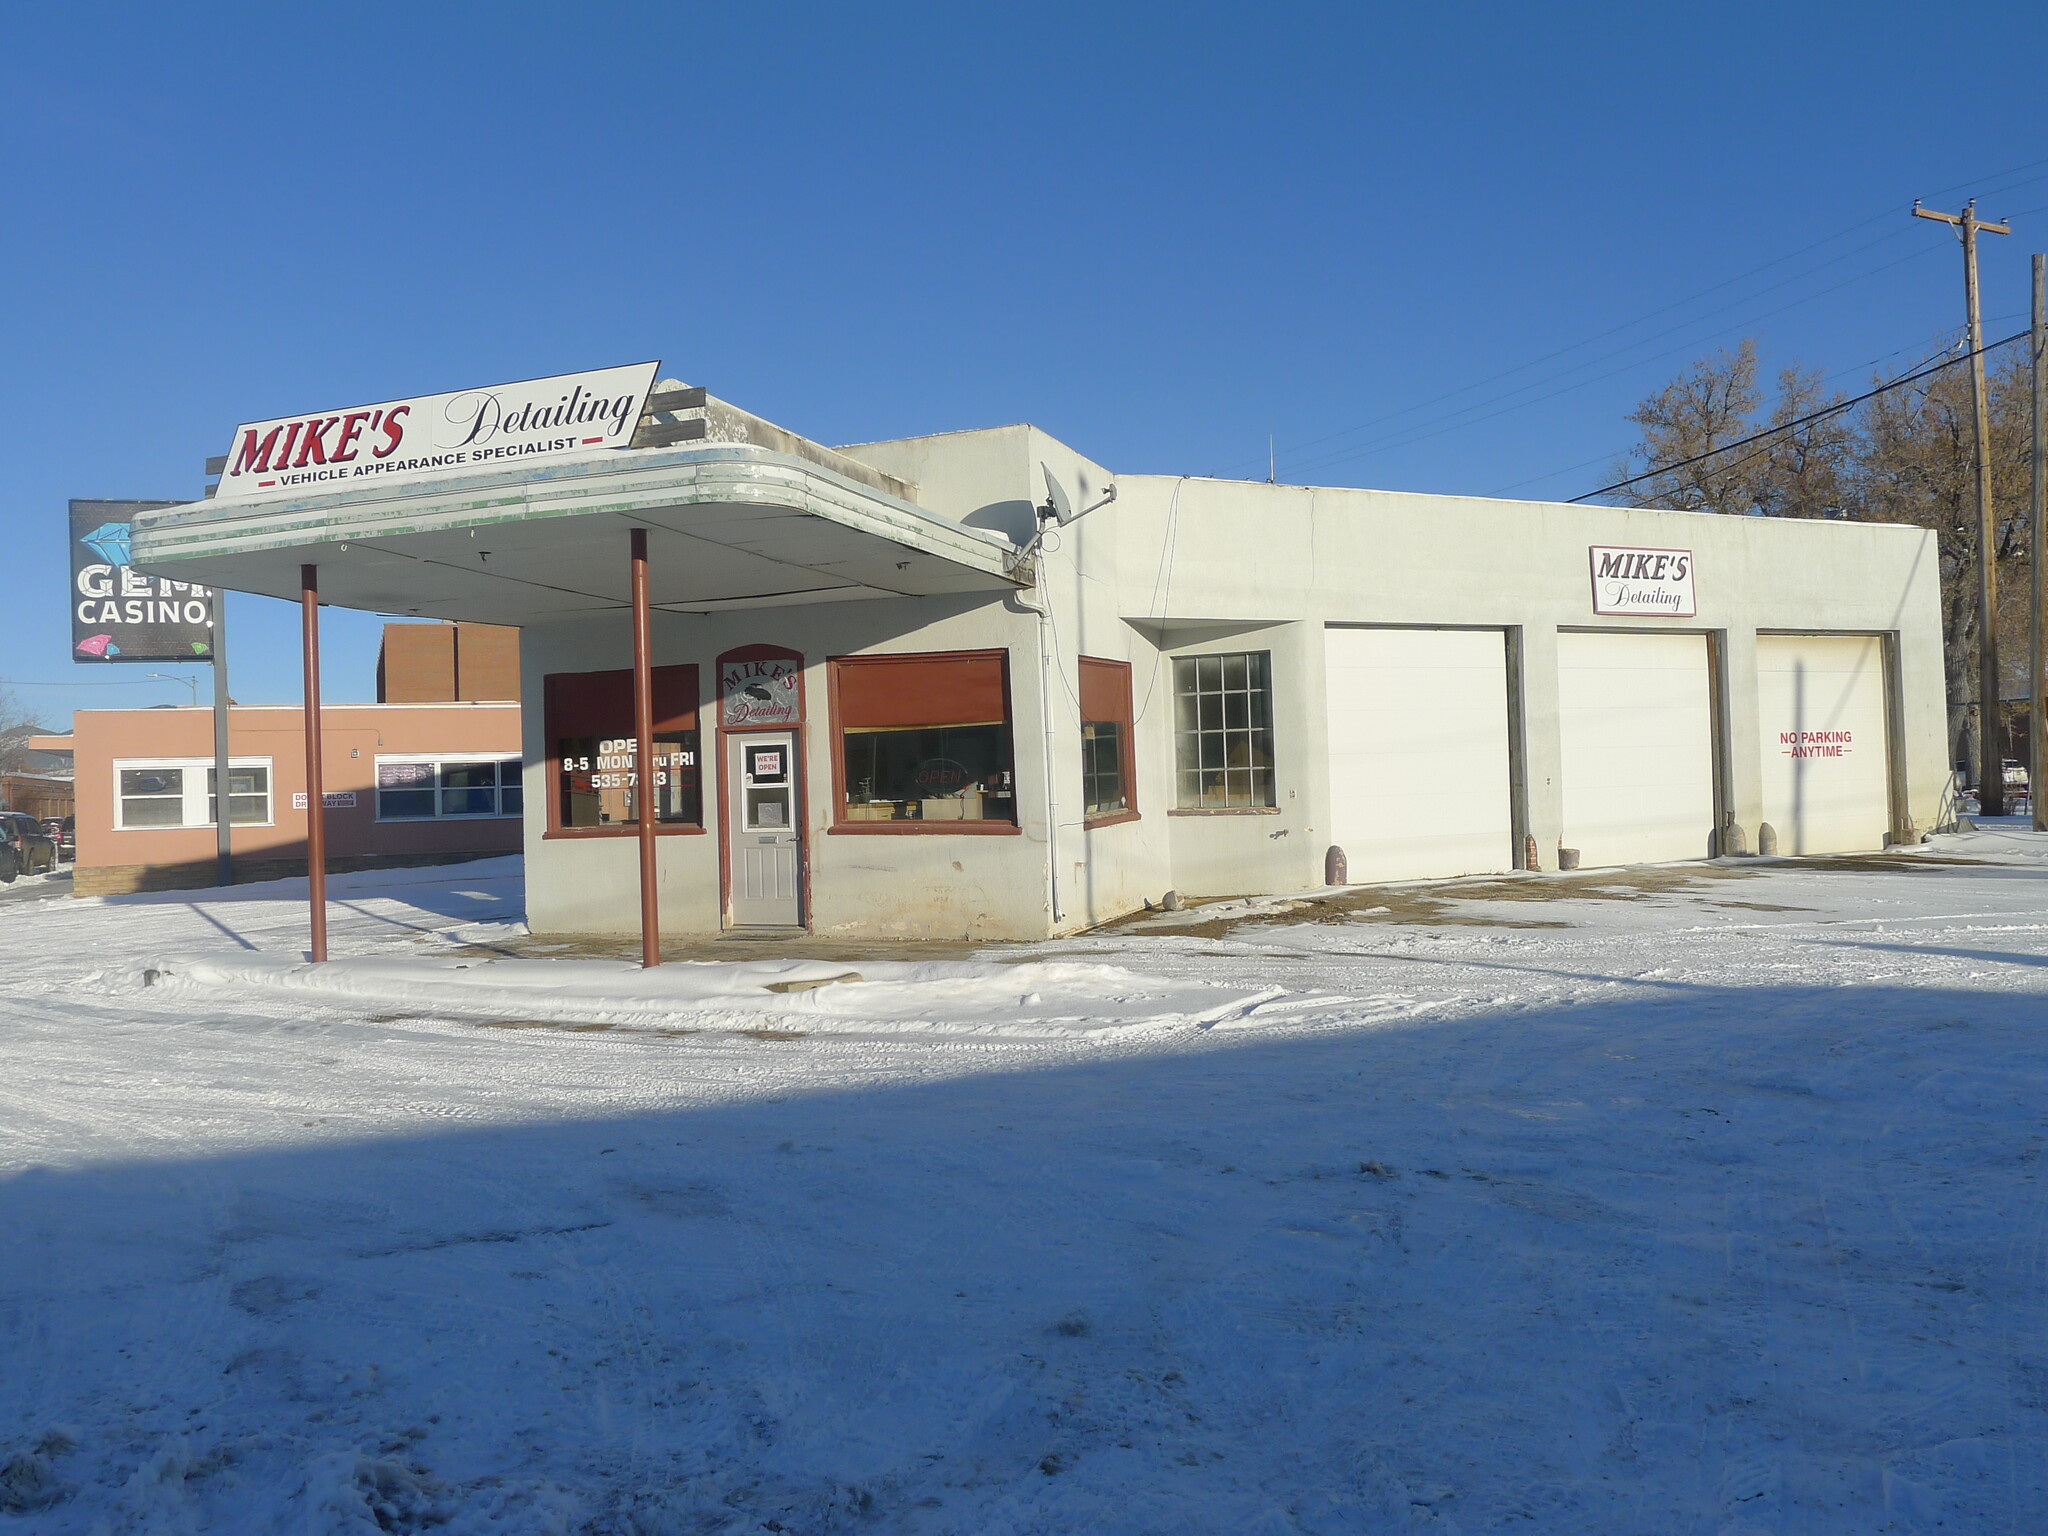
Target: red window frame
x=1106 y=699
x=837 y=669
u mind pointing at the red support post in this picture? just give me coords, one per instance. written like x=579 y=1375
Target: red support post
x=316 y=798
x=646 y=793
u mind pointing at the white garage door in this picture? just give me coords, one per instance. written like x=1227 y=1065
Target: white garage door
x=1637 y=721
x=1419 y=751
x=1820 y=709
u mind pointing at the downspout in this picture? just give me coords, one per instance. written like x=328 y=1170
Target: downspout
x=1032 y=555
x=1046 y=662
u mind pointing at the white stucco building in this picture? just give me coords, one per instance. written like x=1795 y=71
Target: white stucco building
x=884 y=710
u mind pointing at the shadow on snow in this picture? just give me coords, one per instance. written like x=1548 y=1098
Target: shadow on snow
x=1765 y=1254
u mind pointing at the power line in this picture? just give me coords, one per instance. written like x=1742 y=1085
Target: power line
x=1396 y=440
x=125 y=682
x=1829 y=377
x=1666 y=309
x=1792 y=426
x=1627 y=325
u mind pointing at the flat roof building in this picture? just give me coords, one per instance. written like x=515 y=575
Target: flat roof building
x=976 y=685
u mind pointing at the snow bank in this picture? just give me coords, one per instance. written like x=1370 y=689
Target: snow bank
x=1035 y=1000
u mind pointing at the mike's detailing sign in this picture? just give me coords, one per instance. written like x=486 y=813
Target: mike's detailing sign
x=119 y=614
x=760 y=685
x=1649 y=581
x=432 y=434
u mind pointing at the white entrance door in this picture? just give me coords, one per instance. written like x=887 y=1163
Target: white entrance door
x=764 y=829
x=1636 y=722
x=1418 y=732
x=1826 y=758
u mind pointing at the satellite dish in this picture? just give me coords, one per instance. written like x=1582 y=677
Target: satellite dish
x=1056 y=507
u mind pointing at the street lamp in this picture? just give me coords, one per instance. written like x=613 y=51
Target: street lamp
x=188 y=682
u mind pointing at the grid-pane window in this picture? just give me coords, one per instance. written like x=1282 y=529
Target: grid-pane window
x=1102 y=768
x=1223 y=731
x=429 y=789
x=1108 y=788
x=184 y=793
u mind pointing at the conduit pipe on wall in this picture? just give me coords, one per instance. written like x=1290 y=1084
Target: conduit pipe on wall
x=1046 y=662
x=1048 y=658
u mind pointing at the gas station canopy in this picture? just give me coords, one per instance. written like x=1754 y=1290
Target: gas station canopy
x=729 y=526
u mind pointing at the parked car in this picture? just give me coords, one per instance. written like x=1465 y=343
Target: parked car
x=25 y=848
x=60 y=831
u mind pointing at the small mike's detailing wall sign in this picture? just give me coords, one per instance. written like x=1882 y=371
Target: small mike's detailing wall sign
x=760 y=685
x=1642 y=581
x=434 y=434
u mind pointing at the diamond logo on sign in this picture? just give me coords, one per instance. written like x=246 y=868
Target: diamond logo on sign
x=110 y=542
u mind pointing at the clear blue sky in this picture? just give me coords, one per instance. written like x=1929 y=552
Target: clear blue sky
x=1160 y=232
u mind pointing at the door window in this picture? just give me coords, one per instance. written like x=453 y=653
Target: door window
x=767 y=787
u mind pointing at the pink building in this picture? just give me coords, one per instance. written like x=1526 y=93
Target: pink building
x=405 y=783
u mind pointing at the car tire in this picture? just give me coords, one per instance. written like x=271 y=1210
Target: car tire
x=10 y=866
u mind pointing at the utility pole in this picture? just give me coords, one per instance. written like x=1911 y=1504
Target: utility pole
x=2037 y=691
x=223 y=814
x=1990 y=761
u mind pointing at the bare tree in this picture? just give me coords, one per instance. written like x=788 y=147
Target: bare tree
x=16 y=726
x=1713 y=403
x=1903 y=456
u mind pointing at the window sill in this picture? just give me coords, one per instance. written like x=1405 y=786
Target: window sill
x=580 y=834
x=1117 y=819
x=196 y=826
x=923 y=828
x=1225 y=810
x=432 y=821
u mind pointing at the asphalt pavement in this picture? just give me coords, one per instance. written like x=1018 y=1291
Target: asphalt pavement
x=35 y=887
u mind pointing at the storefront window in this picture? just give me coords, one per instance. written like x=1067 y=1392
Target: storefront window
x=600 y=780
x=1223 y=731
x=1108 y=790
x=426 y=789
x=594 y=753
x=924 y=739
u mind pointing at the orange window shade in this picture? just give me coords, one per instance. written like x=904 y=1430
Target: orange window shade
x=898 y=692
x=601 y=703
x=1105 y=689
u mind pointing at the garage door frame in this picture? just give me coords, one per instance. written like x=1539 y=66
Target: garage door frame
x=1719 y=760
x=1517 y=737
x=1898 y=807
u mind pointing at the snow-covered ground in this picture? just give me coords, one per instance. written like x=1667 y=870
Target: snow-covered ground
x=1698 y=1201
